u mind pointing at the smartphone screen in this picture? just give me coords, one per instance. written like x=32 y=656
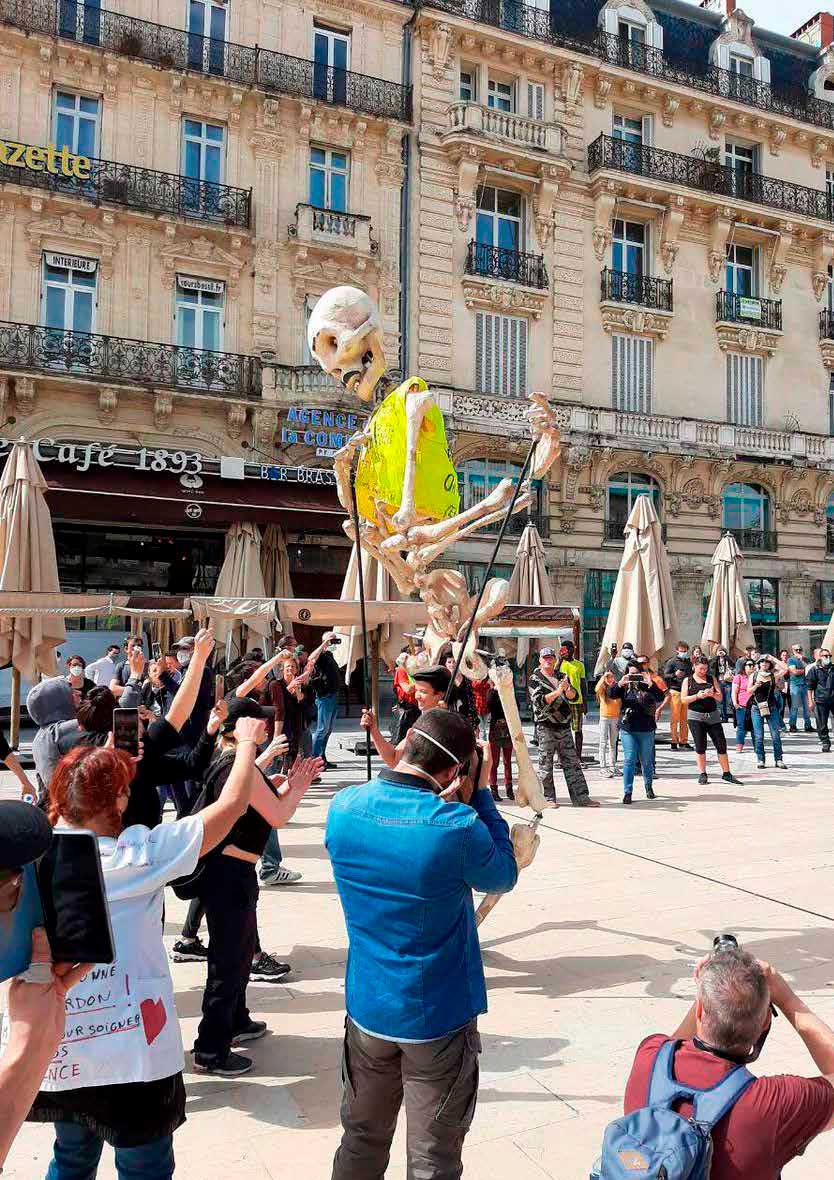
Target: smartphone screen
x=75 y=910
x=157 y=651
x=126 y=731
x=219 y=688
x=16 y=928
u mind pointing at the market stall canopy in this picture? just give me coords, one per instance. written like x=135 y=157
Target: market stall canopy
x=728 y=616
x=28 y=564
x=529 y=582
x=642 y=607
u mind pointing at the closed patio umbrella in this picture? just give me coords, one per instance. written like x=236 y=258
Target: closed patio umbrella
x=275 y=564
x=529 y=583
x=390 y=637
x=642 y=607
x=241 y=577
x=728 y=616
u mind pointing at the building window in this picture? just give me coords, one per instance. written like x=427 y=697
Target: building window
x=745 y=506
x=742 y=159
x=501 y=95
x=207 y=35
x=624 y=490
x=745 y=389
x=80 y=22
x=100 y=558
x=596 y=605
x=829 y=187
x=829 y=530
x=831 y=405
x=741 y=270
x=475 y=571
x=468 y=84
x=628 y=129
x=331 y=61
x=477 y=478
x=629 y=247
x=535 y=101
x=76 y=123
x=741 y=66
x=763 y=597
x=632 y=32
x=500 y=219
x=632 y=373
x=69 y=292
x=203 y=163
x=329 y=172
x=500 y=354
x=199 y=313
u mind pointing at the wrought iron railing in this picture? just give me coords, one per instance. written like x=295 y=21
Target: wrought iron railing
x=97 y=180
x=614 y=531
x=742 y=309
x=552 y=28
x=496 y=262
x=32 y=348
x=331 y=221
x=826 y=325
x=829 y=543
x=516 y=524
x=755 y=540
x=618 y=286
x=178 y=49
x=709 y=177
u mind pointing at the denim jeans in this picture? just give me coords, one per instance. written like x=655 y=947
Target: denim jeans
x=741 y=725
x=326 y=708
x=637 y=745
x=772 y=720
x=726 y=704
x=799 y=701
x=271 y=859
x=77 y=1153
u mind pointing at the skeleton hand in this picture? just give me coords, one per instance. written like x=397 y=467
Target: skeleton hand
x=345 y=454
x=540 y=416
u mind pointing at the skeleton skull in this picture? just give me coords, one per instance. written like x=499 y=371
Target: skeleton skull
x=344 y=336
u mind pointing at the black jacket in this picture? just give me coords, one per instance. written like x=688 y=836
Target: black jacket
x=675 y=671
x=820 y=681
x=639 y=706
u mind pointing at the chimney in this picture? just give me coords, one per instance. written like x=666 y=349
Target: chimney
x=818 y=30
x=725 y=7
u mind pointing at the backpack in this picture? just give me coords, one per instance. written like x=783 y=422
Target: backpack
x=656 y=1143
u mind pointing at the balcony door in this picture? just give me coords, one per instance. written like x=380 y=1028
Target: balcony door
x=499 y=232
x=203 y=159
x=632 y=135
x=328 y=184
x=628 y=250
x=740 y=271
x=207 y=35
x=501 y=95
x=331 y=61
x=632 y=43
x=199 y=329
x=68 y=309
x=80 y=20
x=740 y=76
x=76 y=122
x=741 y=159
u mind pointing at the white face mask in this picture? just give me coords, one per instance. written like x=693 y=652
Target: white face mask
x=826 y=659
x=682 y=653
x=76 y=670
x=183 y=658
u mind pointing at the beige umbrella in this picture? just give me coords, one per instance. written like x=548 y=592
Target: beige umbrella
x=387 y=638
x=241 y=577
x=642 y=608
x=29 y=564
x=529 y=583
x=728 y=616
x=828 y=638
x=275 y=564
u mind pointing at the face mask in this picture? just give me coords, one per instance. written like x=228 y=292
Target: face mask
x=76 y=670
x=183 y=658
x=826 y=659
x=682 y=654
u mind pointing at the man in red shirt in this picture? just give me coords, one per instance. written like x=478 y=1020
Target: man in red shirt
x=777 y=1117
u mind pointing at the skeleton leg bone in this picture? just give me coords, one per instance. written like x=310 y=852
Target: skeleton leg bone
x=423 y=556
x=528 y=791
x=526 y=841
x=390 y=561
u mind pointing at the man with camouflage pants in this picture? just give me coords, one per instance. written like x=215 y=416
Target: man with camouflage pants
x=551 y=695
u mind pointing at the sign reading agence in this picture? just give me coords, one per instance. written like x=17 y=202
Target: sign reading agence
x=58 y=161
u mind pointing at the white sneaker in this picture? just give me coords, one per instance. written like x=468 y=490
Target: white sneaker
x=280 y=876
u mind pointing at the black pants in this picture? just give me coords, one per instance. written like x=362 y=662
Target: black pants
x=439 y=1082
x=823 y=712
x=229 y=892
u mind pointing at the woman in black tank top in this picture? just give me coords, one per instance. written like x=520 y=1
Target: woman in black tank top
x=701 y=693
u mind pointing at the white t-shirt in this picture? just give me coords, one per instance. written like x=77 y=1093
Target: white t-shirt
x=101 y=671
x=122 y=1023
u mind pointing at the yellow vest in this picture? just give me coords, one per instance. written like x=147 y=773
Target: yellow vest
x=381 y=468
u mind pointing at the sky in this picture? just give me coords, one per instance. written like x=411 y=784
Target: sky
x=783 y=16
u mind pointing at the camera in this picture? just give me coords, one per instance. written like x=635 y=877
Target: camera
x=724 y=942
x=335 y=641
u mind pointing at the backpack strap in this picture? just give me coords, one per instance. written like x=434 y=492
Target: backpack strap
x=710 y=1105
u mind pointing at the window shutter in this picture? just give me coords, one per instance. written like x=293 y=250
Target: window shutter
x=535 y=100
x=610 y=20
x=655 y=35
x=757 y=270
x=632 y=373
x=745 y=389
x=500 y=354
x=648 y=130
x=723 y=57
x=831 y=405
x=761 y=68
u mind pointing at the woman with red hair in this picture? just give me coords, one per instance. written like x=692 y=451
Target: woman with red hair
x=117 y=1075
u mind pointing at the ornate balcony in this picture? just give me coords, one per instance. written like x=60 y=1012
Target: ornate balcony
x=516 y=525
x=613 y=532
x=607 y=153
x=495 y=262
x=99 y=181
x=331 y=230
x=177 y=49
x=826 y=325
x=755 y=540
x=517 y=131
x=85 y=355
x=618 y=286
x=552 y=28
x=738 y=309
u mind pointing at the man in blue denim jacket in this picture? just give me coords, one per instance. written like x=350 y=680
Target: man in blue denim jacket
x=405 y=862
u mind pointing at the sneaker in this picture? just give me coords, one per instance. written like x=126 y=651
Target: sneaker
x=613 y=774
x=809 y=728
x=703 y=779
x=626 y=799
x=279 y=876
x=826 y=749
x=330 y=765
x=233 y=1065
x=650 y=793
x=792 y=729
x=781 y=765
x=253 y=1031
x=760 y=765
x=187 y=950
x=673 y=746
x=686 y=746
x=266 y=969
x=727 y=777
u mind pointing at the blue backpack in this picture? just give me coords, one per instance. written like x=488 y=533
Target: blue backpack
x=656 y=1143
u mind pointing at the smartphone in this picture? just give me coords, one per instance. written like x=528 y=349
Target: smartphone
x=16 y=928
x=126 y=731
x=219 y=688
x=76 y=915
x=156 y=650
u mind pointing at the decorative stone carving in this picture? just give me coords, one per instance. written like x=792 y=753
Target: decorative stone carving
x=235 y=418
x=801 y=502
x=163 y=409
x=70 y=231
x=596 y=497
x=777 y=138
x=469 y=167
x=778 y=266
x=108 y=402
x=822 y=74
x=572 y=79
x=184 y=251
x=820 y=148
x=602 y=90
x=266 y=264
x=266 y=424
x=670 y=109
x=506 y=297
x=567 y=522
x=619 y=318
x=720 y=229
x=602 y=234
x=490 y=409
x=740 y=338
x=671 y=229
x=717 y=119
x=25 y=392
x=440 y=44
x=827 y=354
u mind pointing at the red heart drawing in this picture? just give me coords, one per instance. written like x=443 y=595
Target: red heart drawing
x=154 y=1018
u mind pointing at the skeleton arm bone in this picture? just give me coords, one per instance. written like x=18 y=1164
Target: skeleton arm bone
x=342 y=463
x=543 y=428
x=417 y=405
x=526 y=841
x=528 y=790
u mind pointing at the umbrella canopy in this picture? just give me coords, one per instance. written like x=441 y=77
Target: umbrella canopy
x=378 y=586
x=529 y=583
x=241 y=577
x=828 y=638
x=642 y=608
x=728 y=617
x=275 y=564
x=28 y=564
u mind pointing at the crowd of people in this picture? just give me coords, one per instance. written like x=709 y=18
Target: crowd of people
x=233 y=755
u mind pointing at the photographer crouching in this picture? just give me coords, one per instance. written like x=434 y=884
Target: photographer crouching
x=775 y=1118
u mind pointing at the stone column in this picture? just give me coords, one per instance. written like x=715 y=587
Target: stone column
x=688 y=589
x=568 y=585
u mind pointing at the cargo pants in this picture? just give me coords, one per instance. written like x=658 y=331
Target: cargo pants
x=558 y=741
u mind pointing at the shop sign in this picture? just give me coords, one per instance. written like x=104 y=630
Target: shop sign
x=311 y=426
x=57 y=161
x=206 y=286
x=71 y=262
x=750 y=309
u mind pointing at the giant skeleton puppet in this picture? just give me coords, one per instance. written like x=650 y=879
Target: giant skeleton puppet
x=409 y=508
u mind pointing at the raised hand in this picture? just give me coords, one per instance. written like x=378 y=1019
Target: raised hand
x=250 y=729
x=302 y=773
x=217 y=716
x=204 y=642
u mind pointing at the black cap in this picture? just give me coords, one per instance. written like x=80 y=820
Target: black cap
x=449 y=732
x=439 y=678
x=245 y=707
x=25 y=834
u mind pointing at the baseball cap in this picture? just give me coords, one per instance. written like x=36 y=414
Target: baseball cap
x=25 y=833
x=245 y=707
x=187 y=643
x=547 y=651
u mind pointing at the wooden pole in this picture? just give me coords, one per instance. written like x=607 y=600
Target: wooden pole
x=375 y=671
x=360 y=577
x=14 y=728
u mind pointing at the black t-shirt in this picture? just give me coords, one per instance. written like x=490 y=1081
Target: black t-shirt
x=5 y=748
x=639 y=705
x=251 y=832
x=166 y=759
x=326 y=679
x=675 y=671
